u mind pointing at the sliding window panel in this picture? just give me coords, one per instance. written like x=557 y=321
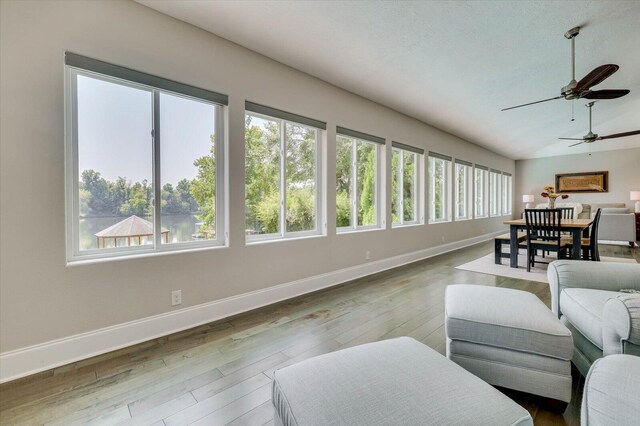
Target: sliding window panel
x=344 y=181
x=409 y=184
x=301 y=178
x=366 y=182
x=262 y=175
x=187 y=169
x=463 y=188
x=114 y=169
x=481 y=180
x=396 y=181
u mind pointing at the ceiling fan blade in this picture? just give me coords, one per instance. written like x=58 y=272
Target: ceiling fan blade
x=597 y=76
x=571 y=139
x=532 y=103
x=620 y=135
x=606 y=94
x=575 y=144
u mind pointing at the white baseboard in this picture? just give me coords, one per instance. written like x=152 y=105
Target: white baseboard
x=34 y=359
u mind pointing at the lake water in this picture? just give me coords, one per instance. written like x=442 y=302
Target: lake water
x=181 y=228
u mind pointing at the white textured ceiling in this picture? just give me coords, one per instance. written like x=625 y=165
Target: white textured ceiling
x=452 y=64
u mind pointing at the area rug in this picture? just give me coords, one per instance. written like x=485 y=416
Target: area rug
x=486 y=265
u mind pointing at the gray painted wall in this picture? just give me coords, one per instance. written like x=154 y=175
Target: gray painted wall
x=623 y=167
x=40 y=298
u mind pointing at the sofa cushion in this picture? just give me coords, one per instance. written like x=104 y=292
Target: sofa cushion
x=505 y=318
x=618 y=210
x=583 y=308
x=392 y=382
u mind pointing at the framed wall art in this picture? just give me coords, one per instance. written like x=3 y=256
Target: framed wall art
x=582 y=182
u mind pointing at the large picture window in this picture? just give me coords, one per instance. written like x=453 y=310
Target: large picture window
x=405 y=182
x=463 y=190
x=144 y=169
x=439 y=188
x=507 y=196
x=282 y=174
x=357 y=180
x=481 y=185
x=494 y=193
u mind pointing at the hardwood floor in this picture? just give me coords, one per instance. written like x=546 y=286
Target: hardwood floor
x=220 y=373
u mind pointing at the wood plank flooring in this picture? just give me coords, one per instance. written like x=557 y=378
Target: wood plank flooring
x=220 y=373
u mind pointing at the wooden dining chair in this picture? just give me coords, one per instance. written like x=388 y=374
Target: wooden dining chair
x=544 y=233
x=589 y=246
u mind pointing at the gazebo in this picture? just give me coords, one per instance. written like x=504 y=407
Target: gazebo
x=131 y=227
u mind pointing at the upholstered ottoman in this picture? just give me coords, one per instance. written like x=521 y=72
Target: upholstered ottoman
x=392 y=382
x=509 y=338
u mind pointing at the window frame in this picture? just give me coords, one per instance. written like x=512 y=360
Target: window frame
x=417 y=178
x=355 y=201
x=498 y=195
x=507 y=194
x=485 y=192
x=468 y=190
x=284 y=235
x=72 y=174
x=448 y=199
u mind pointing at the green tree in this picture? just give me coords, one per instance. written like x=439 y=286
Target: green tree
x=183 y=190
x=138 y=202
x=100 y=202
x=203 y=188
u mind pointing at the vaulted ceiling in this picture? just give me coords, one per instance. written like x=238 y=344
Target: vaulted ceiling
x=452 y=64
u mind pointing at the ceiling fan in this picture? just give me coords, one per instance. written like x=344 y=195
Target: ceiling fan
x=582 y=89
x=592 y=137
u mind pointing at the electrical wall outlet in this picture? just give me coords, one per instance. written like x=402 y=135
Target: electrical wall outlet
x=367 y=255
x=443 y=238
x=176 y=297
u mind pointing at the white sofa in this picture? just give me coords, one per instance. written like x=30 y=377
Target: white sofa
x=617 y=222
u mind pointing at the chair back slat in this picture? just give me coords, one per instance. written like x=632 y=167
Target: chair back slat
x=567 y=212
x=543 y=224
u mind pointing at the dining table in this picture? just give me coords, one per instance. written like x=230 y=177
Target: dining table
x=575 y=227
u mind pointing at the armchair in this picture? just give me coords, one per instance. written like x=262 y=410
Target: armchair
x=586 y=298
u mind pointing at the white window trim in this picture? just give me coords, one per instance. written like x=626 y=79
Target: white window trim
x=417 y=197
x=319 y=225
x=507 y=195
x=485 y=193
x=468 y=193
x=72 y=175
x=448 y=188
x=498 y=195
x=354 y=193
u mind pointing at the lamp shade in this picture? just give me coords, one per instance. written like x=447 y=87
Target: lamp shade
x=527 y=198
x=634 y=195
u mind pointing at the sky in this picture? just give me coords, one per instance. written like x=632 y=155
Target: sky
x=114 y=132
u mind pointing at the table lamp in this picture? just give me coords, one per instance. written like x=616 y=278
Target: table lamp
x=635 y=196
x=529 y=200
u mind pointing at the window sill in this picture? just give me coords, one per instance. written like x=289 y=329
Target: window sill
x=440 y=221
x=357 y=231
x=405 y=225
x=282 y=239
x=464 y=219
x=133 y=256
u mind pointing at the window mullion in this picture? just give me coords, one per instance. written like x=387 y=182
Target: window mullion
x=157 y=200
x=401 y=188
x=283 y=179
x=354 y=184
